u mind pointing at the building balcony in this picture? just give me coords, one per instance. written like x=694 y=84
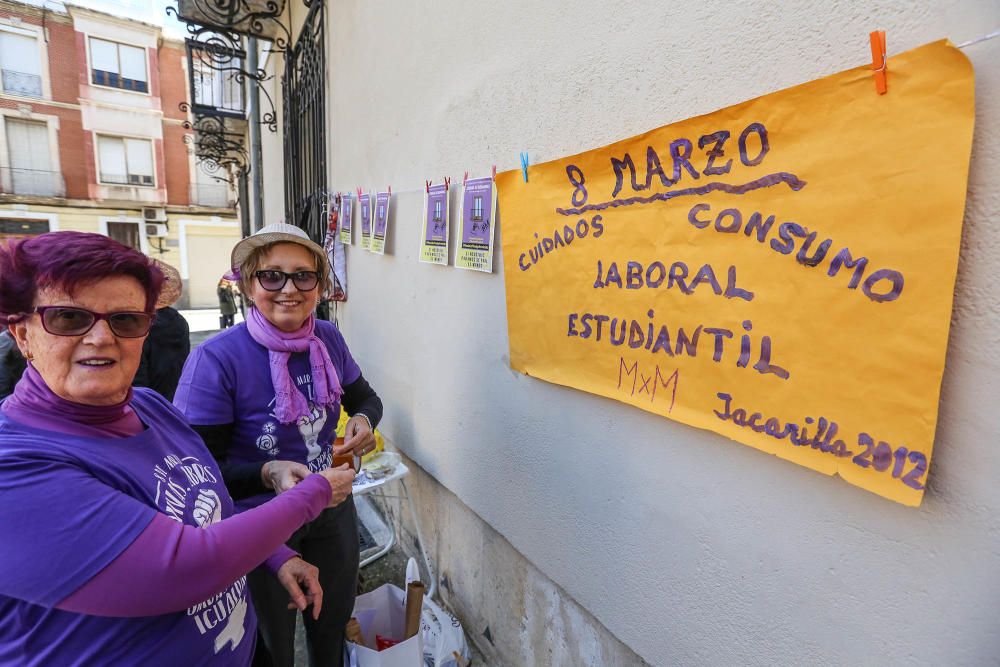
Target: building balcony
x=14 y=181
x=19 y=83
x=217 y=195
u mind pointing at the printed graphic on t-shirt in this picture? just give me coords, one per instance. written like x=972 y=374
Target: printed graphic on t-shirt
x=318 y=453
x=318 y=457
x=184 y=489
x=268 y=442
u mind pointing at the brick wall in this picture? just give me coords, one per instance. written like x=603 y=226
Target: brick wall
x=173 y=88
x=173 y=79
x=75 y=154
x=64 y=65
x=175 y=153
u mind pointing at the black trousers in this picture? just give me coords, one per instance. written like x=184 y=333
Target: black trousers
x=331 y=544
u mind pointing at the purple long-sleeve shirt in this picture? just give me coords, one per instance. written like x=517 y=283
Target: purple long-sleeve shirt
x=134 y=531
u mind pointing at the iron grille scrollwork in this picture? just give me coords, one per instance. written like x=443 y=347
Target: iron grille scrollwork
x=218 y=77
x=218 y=143
x=255 y=18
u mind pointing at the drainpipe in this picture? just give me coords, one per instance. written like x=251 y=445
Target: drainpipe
x=256 y=158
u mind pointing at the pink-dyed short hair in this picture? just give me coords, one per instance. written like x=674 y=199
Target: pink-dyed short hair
x=69 y=261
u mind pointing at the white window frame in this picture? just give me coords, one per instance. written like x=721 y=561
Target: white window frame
x=97 y=159
x=145 y=58
x=52 y=218
x=52 y=122
x=102 y=227
x=38 y=34
x=220 y=79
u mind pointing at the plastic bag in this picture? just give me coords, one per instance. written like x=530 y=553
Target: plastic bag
x=443 y=636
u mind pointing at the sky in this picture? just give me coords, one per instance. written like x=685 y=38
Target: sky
x=149 y=11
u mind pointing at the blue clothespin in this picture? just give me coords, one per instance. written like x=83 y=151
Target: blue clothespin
x=524 y=166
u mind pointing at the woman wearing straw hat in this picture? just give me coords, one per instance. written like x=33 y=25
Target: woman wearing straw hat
x=169 y=341
x=266 y=397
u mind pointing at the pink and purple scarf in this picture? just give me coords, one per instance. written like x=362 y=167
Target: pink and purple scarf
x=290 y=403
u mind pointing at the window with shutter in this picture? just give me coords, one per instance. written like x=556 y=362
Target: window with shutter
x=125 y=161
x=118 y=65
x=28 y=155
x=19 y=64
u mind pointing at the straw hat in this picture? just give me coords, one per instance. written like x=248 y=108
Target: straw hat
x=171 y=290
x=272 y=233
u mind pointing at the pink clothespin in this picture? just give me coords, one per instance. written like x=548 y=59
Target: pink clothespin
x=494 y=172
x=465 y=179
x=447 y=183
x=427 y=187
x=359 y=194
x=390 y=190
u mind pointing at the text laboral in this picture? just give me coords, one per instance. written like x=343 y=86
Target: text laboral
x=780 y=272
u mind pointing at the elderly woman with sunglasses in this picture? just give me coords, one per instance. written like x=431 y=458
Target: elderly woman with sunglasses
x=266 y=397
x=120 y=545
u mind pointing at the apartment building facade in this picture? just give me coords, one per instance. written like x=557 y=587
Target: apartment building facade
x=92 y=138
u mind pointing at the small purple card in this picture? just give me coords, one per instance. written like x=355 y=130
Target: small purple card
x=365 y=203
x=381 y=214
x=437 y=216
x=477 y=207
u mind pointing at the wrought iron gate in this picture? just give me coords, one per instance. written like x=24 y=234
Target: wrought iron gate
x=304 y=92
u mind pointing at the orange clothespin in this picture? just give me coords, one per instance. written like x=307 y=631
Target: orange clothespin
x=879 y=67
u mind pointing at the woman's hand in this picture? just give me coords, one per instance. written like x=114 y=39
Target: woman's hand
x=296 y=575
x=358 y=438
x=282 y=475
x=341 y=480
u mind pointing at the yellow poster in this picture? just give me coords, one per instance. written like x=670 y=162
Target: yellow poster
x=780 y=272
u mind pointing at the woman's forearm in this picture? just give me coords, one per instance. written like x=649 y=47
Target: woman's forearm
x=171 y=566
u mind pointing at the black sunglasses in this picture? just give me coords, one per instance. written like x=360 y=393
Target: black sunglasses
x=70 y=321
x=274 y=281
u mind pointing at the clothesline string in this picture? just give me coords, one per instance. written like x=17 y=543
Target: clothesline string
x=977 y=40
x=995 y=33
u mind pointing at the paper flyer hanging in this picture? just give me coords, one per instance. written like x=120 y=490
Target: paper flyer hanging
x=335 y=254
x=434 y=233
x=780 y=271
x=381 y=222
x=345 y=218
x=475 y=230
x=365 y=204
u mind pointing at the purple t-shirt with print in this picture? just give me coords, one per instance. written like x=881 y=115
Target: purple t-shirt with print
x=71 y=505
x=227 y=380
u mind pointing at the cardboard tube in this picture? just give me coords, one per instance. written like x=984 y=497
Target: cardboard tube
x=414 y=604
x=353 y=632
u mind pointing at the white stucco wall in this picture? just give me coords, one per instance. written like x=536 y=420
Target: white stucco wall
x=690 y=548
